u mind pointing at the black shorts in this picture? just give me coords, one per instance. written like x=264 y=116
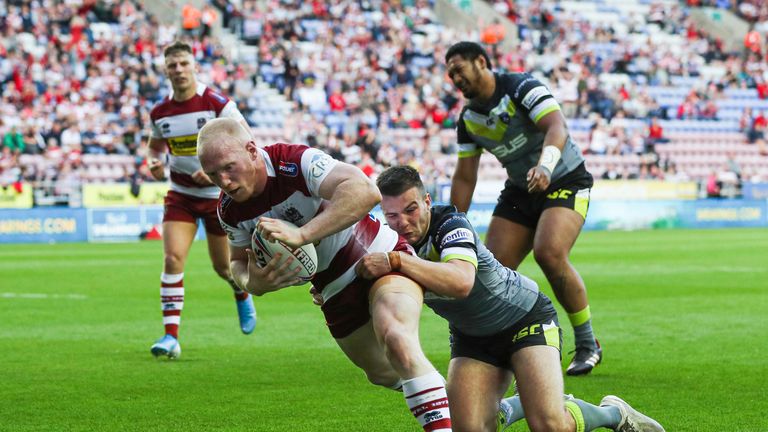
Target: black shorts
x=571 y=191
x=497 y=349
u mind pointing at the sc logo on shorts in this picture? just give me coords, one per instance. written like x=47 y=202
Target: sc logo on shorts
x=560 y=194
x=527 y=331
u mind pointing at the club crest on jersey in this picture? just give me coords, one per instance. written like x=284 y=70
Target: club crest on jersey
x=201 y=122
x=288 y=168
x=292 y=215
x=504 y=117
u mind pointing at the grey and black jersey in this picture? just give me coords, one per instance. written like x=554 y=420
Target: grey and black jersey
x=506 y=127
x=500 y=296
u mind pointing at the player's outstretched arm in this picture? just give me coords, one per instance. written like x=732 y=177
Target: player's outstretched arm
x=453 y=278
x=259 y=281
x=464 y=181
x=351 y=194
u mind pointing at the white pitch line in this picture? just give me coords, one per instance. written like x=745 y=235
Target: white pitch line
x=42 y=296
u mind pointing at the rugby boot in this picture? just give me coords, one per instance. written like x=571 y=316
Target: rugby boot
x=166 y=346
x=632 y=420
x=585 y=360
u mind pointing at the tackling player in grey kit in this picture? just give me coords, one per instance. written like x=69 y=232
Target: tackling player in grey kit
x=545 y=199
x=499 y=321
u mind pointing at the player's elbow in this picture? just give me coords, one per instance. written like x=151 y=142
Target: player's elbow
x=461 y=177
x=559 y=131
x=371 y=196
x=464 y=287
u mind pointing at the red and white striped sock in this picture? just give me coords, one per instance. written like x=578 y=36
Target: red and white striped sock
x=172 y=301
x=428 y=401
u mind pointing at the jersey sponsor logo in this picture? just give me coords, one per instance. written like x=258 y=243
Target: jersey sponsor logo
x=457 y=235
x=319 y=165
x=534 y=95
x=289 y=169
x=507 y=149
x=185 y=145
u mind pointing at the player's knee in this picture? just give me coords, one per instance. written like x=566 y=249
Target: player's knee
x=173 y=262
x=549 y=257
x=384 y=378
x=222 y=271
x=399 y=346
x=547 y=422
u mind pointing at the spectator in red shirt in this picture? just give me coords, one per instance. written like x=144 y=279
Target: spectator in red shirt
x=752 y=41
x=757 y=132
x=336 y=101
x=709 y=112
x=713 y=185
x=655 y=133
x=761 y=86
x=687 y=109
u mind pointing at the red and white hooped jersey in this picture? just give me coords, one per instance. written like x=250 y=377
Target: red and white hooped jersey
x=294 y=175
x=178 y=124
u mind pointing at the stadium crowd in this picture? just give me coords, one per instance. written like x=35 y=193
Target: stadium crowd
x=78 y=78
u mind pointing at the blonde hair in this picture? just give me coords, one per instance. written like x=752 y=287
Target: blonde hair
x=224 y=133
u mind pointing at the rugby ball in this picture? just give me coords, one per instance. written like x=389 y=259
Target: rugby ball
x=305 y=256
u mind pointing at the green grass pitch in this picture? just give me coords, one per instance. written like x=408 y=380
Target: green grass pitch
x=682 y=316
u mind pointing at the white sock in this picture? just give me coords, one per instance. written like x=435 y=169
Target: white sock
x=428 y=401
x=172 y=301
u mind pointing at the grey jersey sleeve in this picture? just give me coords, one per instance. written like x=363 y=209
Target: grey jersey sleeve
x=532 y=97
x=455 y=239
x=467 y=146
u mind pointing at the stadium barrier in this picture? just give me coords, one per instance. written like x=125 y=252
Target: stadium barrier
x=120 y=195
x=43 y=225
x=702 y=213
x=18 y=197
x=755 y=190
x=488 y=191
x=60 y=224
x=655 y=214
